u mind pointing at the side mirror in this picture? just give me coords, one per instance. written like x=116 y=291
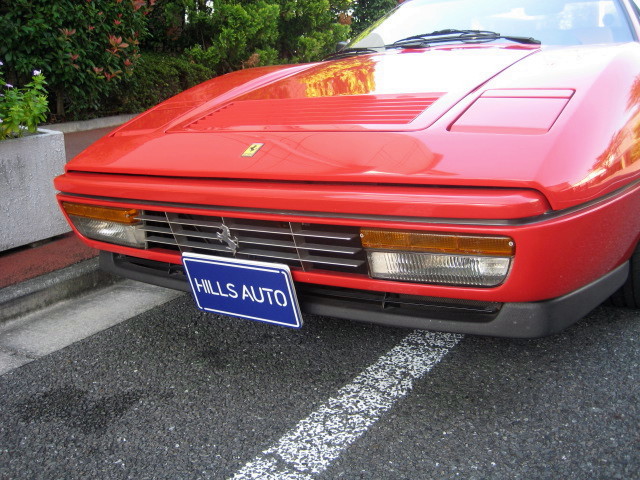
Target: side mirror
x=341 y=45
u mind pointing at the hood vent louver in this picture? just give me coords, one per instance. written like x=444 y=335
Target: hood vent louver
x=323 y=113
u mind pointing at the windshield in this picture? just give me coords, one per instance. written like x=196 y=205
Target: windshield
x=553 y=22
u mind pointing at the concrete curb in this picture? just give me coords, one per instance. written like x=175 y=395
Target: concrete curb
x=94 y=124
x=53 y=287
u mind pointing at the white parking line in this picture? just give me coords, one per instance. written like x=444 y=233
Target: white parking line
x=311 y=446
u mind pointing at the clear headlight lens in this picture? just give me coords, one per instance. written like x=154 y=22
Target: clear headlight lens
x=107 y=224
x=111 y=232
x=439 y=268
x=438 y=258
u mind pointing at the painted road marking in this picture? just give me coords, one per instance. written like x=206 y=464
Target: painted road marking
x=315 y=442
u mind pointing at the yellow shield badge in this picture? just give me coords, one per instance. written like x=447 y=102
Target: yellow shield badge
x=252 y=150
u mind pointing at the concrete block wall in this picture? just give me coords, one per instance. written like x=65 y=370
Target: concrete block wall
x=28 y=208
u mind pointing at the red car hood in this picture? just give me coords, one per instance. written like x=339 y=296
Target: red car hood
x=417 y=117
x=335 y=120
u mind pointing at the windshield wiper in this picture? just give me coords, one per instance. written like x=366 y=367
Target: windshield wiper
x=349 y=52
x=452 y=35
x=439 y=36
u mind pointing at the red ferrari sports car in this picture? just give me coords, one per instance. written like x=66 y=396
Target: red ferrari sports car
x=462 y=165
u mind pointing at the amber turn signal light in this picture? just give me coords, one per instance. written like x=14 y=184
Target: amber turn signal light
x=416 y=241
x=110 y=214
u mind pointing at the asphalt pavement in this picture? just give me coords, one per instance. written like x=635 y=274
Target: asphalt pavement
x=176 y=393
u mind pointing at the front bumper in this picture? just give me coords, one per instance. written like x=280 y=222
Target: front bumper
x=511 y=319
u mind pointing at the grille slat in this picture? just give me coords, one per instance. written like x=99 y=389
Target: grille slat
x=244 y=227
x=158 y=217
x=328 y=248
x=163 y=240
x=178 y=232
x=204 y=246
x=267 y=242
x=156 y=229
x=249 y=252
x=308 y=258
x=326 y=261
x=300 y=245
x=195 y=223
x=326 y=235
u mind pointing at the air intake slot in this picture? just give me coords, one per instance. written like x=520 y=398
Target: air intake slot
x=325 y=113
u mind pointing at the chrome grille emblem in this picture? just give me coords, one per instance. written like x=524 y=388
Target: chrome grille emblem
x=225 y=237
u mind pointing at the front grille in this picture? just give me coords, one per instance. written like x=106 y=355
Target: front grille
x=301 y=245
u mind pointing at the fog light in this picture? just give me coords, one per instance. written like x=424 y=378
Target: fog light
x=439 y=268
x=107 y=224
x=440 y=258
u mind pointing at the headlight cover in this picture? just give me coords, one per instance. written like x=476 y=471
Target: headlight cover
x=437 y=268
x=107 y=224
x=438 y=258
x=110 y=232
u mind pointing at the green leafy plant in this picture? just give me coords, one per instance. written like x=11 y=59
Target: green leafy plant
x=85 y=47
x=156 y=78
x=22 y=109
x=311 y=30
x=366 y=12
x=227 y=35
x=90 y=50
x=166 y=23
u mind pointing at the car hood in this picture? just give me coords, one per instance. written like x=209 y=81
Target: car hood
x=397 y=91
x=421 y=117
x=341 y=117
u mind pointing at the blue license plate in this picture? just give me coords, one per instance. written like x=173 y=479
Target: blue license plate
x=243 y=288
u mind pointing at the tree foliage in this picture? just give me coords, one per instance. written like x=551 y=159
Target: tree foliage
x=157 y=77
x=227 y=34
x=365 y=12
x=88 y=49
x=310 y=29
x=83 y=47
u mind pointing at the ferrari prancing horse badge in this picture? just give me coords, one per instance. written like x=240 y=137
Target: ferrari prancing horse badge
x=252 y=150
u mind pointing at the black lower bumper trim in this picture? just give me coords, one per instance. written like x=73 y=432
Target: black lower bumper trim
x=518 y=320
x=166 y=275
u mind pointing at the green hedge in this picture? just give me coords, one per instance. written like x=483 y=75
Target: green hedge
x=156 y=78
x=366 y=12
x=83 y=48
